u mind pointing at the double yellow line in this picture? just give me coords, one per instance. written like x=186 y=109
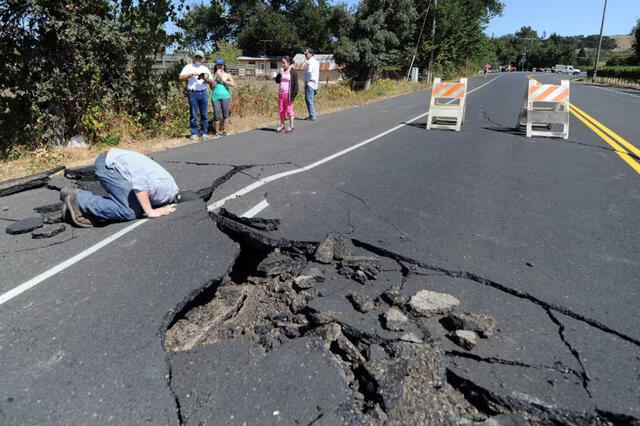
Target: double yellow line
x=606 y=134
x=616 y=141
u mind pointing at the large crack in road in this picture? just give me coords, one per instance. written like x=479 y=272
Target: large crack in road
x=288 y=299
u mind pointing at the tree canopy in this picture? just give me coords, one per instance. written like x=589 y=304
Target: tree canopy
x=59 y=61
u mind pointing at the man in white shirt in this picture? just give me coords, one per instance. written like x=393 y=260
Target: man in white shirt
x=197 y=75
x=311 y=77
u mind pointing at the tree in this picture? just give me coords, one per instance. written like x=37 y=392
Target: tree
x=228 y=51
x=459 y=37
x=380 y=30
x=60 y=61
x=203 y=26
x=269 y=32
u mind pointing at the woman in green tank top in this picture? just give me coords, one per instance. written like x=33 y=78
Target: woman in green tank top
x=221 y=96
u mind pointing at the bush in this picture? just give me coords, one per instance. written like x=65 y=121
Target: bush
x=383 y=87
x=623 y=72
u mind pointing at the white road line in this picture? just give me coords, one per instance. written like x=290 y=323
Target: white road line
x=257 y=184
x=5 y=297
x=256 y=209
x=617 y=91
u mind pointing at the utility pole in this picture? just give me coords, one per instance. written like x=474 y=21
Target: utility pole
x=424 y=21
x=433 y=38
x=595 y=68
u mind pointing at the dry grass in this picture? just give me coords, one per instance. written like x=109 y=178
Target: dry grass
x=43 y=159
x=624 y=43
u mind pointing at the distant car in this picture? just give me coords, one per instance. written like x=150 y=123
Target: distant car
x=547 y=70
x=503 y=68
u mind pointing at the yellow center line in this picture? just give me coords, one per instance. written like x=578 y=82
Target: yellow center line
x=624 y=154
x=607 y=135
x=610 y=132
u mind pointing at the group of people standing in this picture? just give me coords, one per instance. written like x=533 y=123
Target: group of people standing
x=199 y=78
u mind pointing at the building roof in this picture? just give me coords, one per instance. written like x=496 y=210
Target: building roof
x=259 y=58
x=327 y=63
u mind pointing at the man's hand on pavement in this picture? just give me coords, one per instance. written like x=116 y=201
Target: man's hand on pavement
x=161 y=211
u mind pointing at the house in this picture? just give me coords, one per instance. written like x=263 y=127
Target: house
x=269 y=65
x=263 y=64
x=329 y=70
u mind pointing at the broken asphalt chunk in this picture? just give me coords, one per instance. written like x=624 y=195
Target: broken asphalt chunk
x=362 y=303
x=24 y=226
x=341 y=247
x=48 y=231
x=482 y=324
x=254 y=222
x=51 y=218
x=324 y=251
x=87 y=173
x=280 y=264
x=464 y=338
x=25 y=183
x=429 y=303
x=395 y=320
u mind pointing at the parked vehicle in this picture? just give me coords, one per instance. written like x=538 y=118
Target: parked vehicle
x=566 y=69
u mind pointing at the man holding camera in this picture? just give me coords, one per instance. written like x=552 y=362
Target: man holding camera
x=197 y=74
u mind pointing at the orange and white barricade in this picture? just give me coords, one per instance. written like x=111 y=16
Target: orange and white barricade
x=546 y=106
x=447 y=105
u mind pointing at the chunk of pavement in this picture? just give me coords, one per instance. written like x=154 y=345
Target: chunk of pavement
x=464 y=338
x=87 y=173
x=429 y=303
x=482 y=324
x=324 y=251
x=395 y=320
x=25 y=183
x=279 y=264
x=56 y=183
x=387 y=377
x=360 y=276
x=369 y=265
x=394 y=295
x=341 y=247
x=49 y=208
x=411 y=338
x=308 y=278
x=48 y=231
x=230 y=383
x=51 y=218
x=25 y=225
x=362 y=303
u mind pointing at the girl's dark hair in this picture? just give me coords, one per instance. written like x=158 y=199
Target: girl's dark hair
x=286 y=58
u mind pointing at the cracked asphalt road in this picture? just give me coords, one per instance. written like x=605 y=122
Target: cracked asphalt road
x=537 y=233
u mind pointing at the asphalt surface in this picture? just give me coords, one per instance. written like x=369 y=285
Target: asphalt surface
x=547 y=226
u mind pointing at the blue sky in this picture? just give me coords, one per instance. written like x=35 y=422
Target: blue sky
x=565 y=17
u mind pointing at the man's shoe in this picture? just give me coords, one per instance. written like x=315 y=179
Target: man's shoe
x=71 y=209
x=193 y=137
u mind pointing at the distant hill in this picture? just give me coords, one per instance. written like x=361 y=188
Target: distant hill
x=623 y=42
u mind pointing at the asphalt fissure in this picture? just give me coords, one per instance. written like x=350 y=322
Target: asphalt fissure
x=503 y=288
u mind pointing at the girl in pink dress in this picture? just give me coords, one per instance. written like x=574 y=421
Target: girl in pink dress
x=287 y=79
